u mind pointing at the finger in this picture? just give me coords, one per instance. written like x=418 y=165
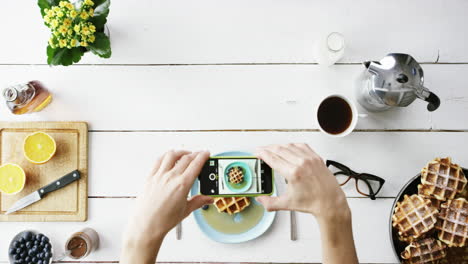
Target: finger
x=196 y=202
x=156 y=166
x=272 y=203
x=183 y=163
x=170 y=158
x=305 y=148
x=276 y=162
x=193 y=169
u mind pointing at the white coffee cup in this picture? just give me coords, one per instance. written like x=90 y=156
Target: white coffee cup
x=347 y=126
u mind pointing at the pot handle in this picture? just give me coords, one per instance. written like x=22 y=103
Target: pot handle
x=434 y=102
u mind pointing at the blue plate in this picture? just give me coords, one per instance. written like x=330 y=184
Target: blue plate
x=256 y=231
x=244 y=185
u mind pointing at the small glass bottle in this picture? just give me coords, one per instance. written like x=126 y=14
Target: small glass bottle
x=82 y=243
x=27 y=98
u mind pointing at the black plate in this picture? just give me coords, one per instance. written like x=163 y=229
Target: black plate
x=410 y=188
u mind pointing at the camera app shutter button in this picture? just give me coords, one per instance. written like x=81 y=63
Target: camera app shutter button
x=212 y=176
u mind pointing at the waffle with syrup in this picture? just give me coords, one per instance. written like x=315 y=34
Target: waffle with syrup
x=231 y=205
x=425 y=251
x=453 y=223
x=414 y=216
x=236 y=175
x=442 y=179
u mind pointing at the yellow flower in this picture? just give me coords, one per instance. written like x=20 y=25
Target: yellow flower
x=91 y=38
x=67 y=22
x=51 y=41
x=76 y=28
x=85 y=31
x=62 y=3
x=91 y=12
x=70 y=6
x=47 y=19
x=50 y=13
x=84 y=43
x=70 y=32
x=92 y=28
x=63 y=30
x=56 y=33
x=84 y=15
x=89 y=2
x=60 y=14
x=54 y=23
x=73 y=13
x=73 y=42
x=62 y=43
x=56 y=9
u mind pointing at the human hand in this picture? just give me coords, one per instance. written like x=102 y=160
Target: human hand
x=163 y=203
x=311 y=188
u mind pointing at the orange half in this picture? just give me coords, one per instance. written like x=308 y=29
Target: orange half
x=12 y=179
x=39 y=147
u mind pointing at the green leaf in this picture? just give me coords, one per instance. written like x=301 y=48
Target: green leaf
x=101 y=45
x=43 y=4
x=101 y=10
x=64 y=56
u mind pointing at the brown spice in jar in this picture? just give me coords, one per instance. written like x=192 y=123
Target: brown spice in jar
x=78 y=247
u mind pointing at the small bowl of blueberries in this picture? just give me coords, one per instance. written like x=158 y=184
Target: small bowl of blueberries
x=30 y=247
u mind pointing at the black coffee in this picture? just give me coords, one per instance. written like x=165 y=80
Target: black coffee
x=334 y=115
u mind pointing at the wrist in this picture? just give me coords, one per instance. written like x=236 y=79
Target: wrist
x=337 y=213
x=140 y=249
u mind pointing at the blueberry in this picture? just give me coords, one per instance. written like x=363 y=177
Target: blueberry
x=16 y=256
x=29 y=244
x=40 y=262
x=22 y=245
x=12 y=251
x=34 y=259
x=31 y=253
x=36 y=242
x=45 y=239
x=21 y=240
x=18 y=250
x=205 y=207
x=23 y=254
x=16 y=244
x=47 y=255
x=47 y=246
x=40 y=255
x=27 y=259
x=28 y=236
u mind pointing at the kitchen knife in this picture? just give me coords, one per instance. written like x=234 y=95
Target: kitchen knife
x=39 y=194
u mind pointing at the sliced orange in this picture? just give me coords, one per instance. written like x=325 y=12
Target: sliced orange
x=39 y=147
x=12 y=179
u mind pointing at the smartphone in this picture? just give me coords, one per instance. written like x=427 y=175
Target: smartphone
x=216 y=177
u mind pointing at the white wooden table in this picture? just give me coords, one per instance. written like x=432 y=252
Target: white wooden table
x=234 y=75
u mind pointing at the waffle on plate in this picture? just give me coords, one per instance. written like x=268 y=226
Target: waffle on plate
x=453 y=223
x=427 y=250
x=236 y=175
x=231 y=205
x=414 y=216
x=442 y=179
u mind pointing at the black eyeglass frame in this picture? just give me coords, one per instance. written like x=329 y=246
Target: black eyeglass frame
x=365 y=177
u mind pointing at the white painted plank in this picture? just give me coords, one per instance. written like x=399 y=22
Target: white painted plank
x=125 y=158
x=109 y=216
x=210 y=31
x=225 y=97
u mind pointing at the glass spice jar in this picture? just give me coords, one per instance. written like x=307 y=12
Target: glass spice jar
x=27 y=98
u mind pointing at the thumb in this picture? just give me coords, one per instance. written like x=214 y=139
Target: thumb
x=272 y=203
x=196 y=202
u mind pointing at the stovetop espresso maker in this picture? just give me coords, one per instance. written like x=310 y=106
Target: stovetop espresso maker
x=395 y=81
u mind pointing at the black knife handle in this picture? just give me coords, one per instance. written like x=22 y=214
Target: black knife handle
x=60 y=183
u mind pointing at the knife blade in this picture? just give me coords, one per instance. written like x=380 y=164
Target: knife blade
x=39 y=194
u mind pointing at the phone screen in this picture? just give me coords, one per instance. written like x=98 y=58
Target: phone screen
x=235 y=177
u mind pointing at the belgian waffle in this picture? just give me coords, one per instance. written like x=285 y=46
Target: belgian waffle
x=453 y=223
x=236 y=175
x=424 y=251
x=231 y=205
x=442 y=179
x=414 y=216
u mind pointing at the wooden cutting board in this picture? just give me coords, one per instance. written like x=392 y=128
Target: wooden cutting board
x=67 y=204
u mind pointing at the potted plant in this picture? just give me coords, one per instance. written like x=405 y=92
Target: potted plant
x=77 y=27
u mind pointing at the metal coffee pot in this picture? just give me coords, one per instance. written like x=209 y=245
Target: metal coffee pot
x=396 y=80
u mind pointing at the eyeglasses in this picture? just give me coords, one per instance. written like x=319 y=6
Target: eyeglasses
x=366 y=184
